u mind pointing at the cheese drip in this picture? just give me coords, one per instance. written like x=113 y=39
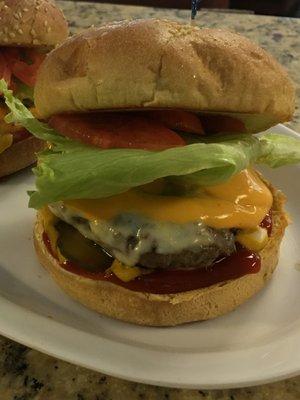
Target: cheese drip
x=122 y=271
x=242 y=202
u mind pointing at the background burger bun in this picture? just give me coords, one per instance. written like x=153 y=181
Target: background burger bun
x=163 y=64
x=20 y=155
x=31 y=23
x=167 y=309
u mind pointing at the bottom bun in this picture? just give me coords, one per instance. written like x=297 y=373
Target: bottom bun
x=167 y=309
x=20 y=155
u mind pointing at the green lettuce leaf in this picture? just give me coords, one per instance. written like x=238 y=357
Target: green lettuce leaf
x=72 y=170
x=19 y=114
x=279 y=150
x=24 y=92
x=92 y=173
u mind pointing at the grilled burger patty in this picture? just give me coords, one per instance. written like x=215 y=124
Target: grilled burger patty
x=136 y=240
x=201 y=257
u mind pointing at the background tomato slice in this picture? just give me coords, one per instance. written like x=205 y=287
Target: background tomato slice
x=5 y=72
x=24 y=73
x=24 y=64
x=117 y=130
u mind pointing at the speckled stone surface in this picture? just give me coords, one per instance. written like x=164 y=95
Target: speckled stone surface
x=29 y=375
x=26 y=374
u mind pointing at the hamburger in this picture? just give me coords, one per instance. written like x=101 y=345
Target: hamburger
x=150 y=209
x=29 y=28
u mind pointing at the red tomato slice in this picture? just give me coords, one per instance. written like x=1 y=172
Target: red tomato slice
x=116 y=130
x=222 y=124
x=21 y=69
x=5 y=72
x=184 y=121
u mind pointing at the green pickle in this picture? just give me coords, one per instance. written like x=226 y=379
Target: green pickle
x=81 y=251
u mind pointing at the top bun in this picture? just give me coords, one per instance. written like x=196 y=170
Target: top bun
x=163 y=64
x=31 y=23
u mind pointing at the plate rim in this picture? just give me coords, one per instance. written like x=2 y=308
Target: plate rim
x=10 y=328
x=33 y=319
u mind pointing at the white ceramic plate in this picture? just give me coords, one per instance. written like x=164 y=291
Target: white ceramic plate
x=257 y=343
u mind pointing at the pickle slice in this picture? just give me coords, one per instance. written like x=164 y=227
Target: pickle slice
x=81 y=251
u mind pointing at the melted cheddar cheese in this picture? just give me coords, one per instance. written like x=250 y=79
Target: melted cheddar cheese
x=124 y=272
x=242 y=202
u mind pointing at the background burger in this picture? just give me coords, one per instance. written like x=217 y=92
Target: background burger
x=147 y=213
x=29 y=28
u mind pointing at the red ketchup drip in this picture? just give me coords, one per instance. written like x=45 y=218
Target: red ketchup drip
x=241 y=263
x=48 y=244
x=267 y=223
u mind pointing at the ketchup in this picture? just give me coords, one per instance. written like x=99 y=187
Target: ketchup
x=238 y=264
x=267 y=223
x=47 y=243
x=241 y=263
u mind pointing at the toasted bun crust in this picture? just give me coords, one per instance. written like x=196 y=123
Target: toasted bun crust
x=31 y=23
x=163 y=309
x=20 y=155
x=163 y=64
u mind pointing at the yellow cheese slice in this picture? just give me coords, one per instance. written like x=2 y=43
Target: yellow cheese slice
x=242 y=202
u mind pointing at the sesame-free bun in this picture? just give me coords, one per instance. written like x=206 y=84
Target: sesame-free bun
x=31 y=23
x=20 y=155
x=167 y=309
x=146 y=64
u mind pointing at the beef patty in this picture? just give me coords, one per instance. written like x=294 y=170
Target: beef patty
x=137 y=240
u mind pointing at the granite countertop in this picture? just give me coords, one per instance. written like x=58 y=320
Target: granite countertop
x=26 y=374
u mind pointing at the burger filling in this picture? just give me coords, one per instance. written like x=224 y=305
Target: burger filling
x=152 y=229
x=167 y=226
x=18 y=67
x=136 y=240
x=153 y=198
x=78 y=253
